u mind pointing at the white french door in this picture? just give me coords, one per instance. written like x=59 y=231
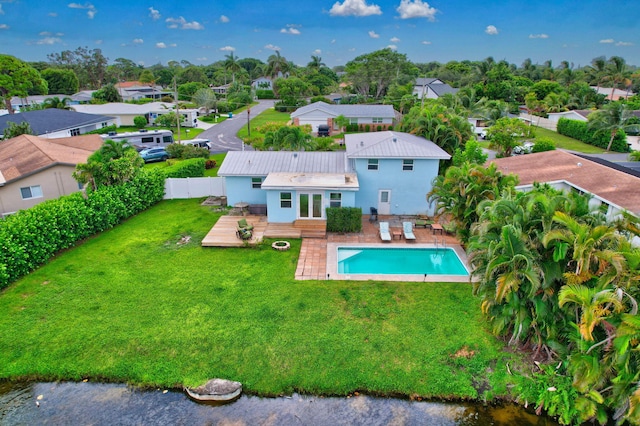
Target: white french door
x=310 y=206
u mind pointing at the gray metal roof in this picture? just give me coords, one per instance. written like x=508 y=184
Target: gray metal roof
x=424 y=81
x=261 y=163
x=51 y=120
x=392 y=145
x=441 y=89
x=349 y=111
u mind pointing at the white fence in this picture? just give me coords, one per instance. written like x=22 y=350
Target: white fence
x=194 y=187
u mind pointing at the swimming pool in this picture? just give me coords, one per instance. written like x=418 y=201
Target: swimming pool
x=399 y=261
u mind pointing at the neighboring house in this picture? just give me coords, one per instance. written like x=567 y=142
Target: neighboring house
x=134 y=90
x=318 y=113
x=33 y=169
x=390 y=171
x=431 y=88
x=613 y=189
x=617 y=93
x=18 y=104
x=220 y=90
x=578 y=114
x=58 y=123
x=151 y=111
x=262 y=83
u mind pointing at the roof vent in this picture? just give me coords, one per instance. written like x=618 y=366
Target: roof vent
x=361 y=143
x=395 y=140
x=579 y=164
x=295 y=155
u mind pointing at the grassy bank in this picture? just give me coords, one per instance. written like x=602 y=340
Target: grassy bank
x=269 y=115
x=185 y=132
x=565 y=142
x=133 y=305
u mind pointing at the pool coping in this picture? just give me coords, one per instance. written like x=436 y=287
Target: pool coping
x=332 y=265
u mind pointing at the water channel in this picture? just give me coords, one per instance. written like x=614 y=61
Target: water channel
x=98 y=404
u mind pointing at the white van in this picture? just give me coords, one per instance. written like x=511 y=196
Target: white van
x=199 y=143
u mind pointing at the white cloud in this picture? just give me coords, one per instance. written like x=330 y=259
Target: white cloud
x=91 y=9
x=1 y=11
x=183 y=24
x=141 y=63
x=392 y=47
x=224 y=19
x=416 y=9
x=353 y=49
x=202 y=59
x=272 y=47
x=50 y=34
x=373 y=34
x=317 y=52
x=161 y=45
x=491 y=30
x=154 y=13
x=607 y=40
x=228 y=49
x=138 y=41
x=98 y=42
x=173 y=45
x=394 y=39
x=425 y=42
x=354 y=8
x=538 y=36
x=333 y=41
x=4 y=27
x=53 y=14
x=49 y=40
x=624 y=43
x=291 y=29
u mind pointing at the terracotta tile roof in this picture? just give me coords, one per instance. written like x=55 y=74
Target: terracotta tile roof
x=616 y=187
x=27 y=154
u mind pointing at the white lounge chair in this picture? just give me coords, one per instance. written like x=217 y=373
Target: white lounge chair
x=407 y=229
x=385 y=235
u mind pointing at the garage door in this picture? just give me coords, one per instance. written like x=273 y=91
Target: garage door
x=314 y=124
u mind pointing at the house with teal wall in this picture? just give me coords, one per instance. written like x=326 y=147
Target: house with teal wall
x=390 y=171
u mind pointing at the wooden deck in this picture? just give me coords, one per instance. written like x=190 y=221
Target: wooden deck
x=223 y=233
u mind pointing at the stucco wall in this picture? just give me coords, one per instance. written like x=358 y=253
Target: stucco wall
x=408 y=188
x=239 y=190
x=54 y=182
x=288 y=215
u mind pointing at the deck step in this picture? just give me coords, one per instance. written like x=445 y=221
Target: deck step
x=311 y=228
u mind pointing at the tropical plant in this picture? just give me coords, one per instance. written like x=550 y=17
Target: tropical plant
x=16 y=129
x=316 y=62
x=231 y=64
x=277 y=65
x=288 y=138
x=506 y=134
x=612 y=118
x=17 y=78
x=205 y=98
x=56 y=102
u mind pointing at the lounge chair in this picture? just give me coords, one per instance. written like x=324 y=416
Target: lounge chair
x=385 y=235
x=407 y=229
x=244 y=234
x=242 y=224
x=373 y=217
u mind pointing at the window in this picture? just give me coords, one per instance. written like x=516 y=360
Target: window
x=335 y=199
x=407 y=165
x=105 y=124
x=256 y=183
x=74 y=132
x=147 y=139
x=285 y=200
x=353 y=121
x=372 y=164
x=31 y=192
x=167 y=139
x=377 y=120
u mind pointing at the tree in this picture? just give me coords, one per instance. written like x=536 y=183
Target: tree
x=140 y=122
x=616 y=73
x=472 y=153
x=277 y=65
x=205 y=98
x=187 y=90
x=17 y=78
x=192 y=74
x=107 y=93
x=231 y=64
x=506 y=133
x=288 y=138
x=14 y=129
x=114 y=163
x=169 y=119
x=147 y=77
x=61 y=81
x=56 y=102
x=291 y=90
x=342 y=122
x=611 y=119
x=316 y=62
x=90 y=66
x=372 y=74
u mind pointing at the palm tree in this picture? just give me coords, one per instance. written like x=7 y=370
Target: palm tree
x=593 y=306
x=616 y=73
x=611 y=119
x=205 y=98
x=56 y=102
x=288 y=138
x=316 y=62
x=276 y=65
x=231 y=64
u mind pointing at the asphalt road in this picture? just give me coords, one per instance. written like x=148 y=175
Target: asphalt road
x=223 y=135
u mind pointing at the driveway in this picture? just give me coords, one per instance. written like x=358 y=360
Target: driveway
x=223 y=135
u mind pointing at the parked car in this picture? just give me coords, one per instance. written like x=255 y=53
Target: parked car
x=323 y=130
x=154 y=154
x=198 y=143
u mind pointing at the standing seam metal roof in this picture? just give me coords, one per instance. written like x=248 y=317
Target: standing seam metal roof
x=261 y=163
x=392 y=145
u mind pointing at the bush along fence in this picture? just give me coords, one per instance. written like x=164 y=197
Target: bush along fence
x=31 y=237
x=580 y=130
x=344 y=219
x=193 y=167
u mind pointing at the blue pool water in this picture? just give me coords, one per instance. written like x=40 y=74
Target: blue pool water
x=370 y=260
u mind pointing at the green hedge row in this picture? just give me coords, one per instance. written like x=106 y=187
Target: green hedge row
x=580 y=130
x=193 y=167
x=103 y=131
x=344 y=219
x=265 y=94
x=31 y=237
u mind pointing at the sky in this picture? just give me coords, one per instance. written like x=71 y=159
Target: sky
x=204 y=31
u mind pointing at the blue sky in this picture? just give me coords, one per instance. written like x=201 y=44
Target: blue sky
x=204 y=31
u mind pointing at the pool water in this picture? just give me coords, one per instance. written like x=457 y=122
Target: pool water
x=370 y=260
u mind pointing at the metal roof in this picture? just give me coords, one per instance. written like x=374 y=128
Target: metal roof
x=349 y=111
x=261 y=163
x=392 y=145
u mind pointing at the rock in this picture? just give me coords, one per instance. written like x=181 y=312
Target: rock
x=216 y=390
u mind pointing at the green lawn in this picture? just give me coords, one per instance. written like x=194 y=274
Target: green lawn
x=208 y=173
x=132 y=305
x=565 y=142
x=185 y=132
x=266 y=116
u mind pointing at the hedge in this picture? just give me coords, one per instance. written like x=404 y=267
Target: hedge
x=344 y=219
x=265 y=94
x=31 y=237
x=580 y=130
x=193 y=167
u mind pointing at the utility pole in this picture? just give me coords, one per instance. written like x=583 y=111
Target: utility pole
x=175 y=91
x=249 y=120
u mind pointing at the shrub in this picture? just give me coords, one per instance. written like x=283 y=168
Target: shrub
x=167 y=99
x=367 y=128
x=140 y=122
x=265 y=94
x=183 y=152
x=543 y=144
x=103 y=131
x=580 y=130
x=379 y=128
x=210 y=164
x=31 y=237
x=193 y=167
x=634 y=156
x=344 y=219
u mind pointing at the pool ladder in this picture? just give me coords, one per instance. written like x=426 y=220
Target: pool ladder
x=443 y=245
